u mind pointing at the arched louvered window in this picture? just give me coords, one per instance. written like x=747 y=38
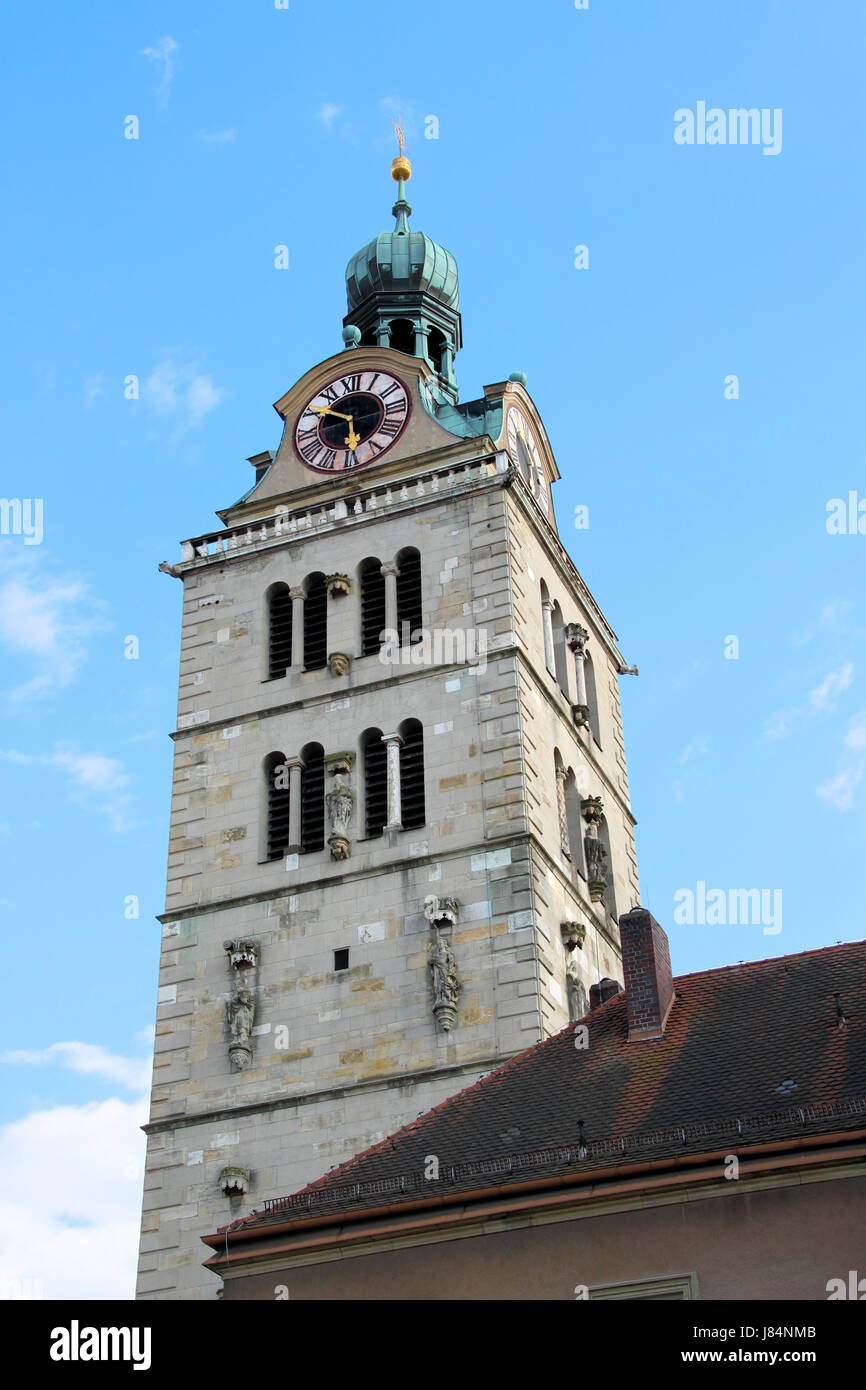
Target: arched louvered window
x=409 y=618
x=592 y=698
x=560 y=652
x=279 y=630
x=372 y=607
x=609 y=896
x=312 y=798
x=575 y=823
x=315 y=623
x=412 y=805
x=375 y=783
x=277 y=802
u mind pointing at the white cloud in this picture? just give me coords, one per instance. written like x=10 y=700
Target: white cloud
x=698 y=748
x=217 y=137
x=88 y=1059
x=163 y=55
x=839 y=790
x=820 y=701
x=45 y=618
x=70 y=1222
x=181 y=392
x=821 y=697
x=96 y=781
x=328 y=113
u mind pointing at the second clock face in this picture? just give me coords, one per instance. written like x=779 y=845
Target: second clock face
x=524 y=451
x=351 y=421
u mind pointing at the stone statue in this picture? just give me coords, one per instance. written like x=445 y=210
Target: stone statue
x=446 y=982
x=596 y=867
x=577 y=1000
x=241 y=1012
x=340 y=801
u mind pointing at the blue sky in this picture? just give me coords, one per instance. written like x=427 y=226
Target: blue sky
x=155 y=257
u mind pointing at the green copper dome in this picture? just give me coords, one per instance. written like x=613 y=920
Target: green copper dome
x=403 y=293
x=401 y=261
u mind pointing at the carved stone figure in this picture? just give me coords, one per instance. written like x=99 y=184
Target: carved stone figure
x=592 y=810
x=577 y=1000
x=340 y=801
x=241 y=1013
x=445 y=980
x=596 y=867
x=339 y=663
x=243 y=957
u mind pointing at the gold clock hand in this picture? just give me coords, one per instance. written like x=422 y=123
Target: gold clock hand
x=326 y=410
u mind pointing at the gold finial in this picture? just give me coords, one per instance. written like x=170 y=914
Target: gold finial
x=401 y=169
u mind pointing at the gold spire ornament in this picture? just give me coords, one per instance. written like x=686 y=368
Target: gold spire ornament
x=401 y=169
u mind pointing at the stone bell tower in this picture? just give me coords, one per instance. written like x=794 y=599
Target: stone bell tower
x=400 y=828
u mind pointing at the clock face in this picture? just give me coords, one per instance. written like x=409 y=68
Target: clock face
x=351 y=421
x=525 y=453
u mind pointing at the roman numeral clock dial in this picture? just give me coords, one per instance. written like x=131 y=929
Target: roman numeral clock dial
x=352 y=421
x=525 y=453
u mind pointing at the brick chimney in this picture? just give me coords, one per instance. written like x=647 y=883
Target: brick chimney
x=646 y=963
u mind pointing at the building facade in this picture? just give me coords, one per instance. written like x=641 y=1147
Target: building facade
x=400 y=825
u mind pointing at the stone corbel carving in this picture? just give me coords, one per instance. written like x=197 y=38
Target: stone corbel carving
x=580 y=715
x=573 y=935
x=338 y=585
x=234 y=1182
x=441 y=912
x=339 y=663
x=241 y=1010
x=340 y=801
x=597 y=873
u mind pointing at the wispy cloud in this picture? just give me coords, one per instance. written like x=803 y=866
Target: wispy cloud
x=832 y=618
x=44 y=618
x=96 y=782
x=820 y=700
x=181 y=392
x=698 y=748
x=217 y=137
x=840 y=790
x=88 y=1059
x=164 y=55
x=328 y=113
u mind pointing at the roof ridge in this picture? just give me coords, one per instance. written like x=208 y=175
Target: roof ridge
x=769 y=960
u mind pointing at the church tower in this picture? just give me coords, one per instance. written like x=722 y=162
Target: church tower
x=400 y=826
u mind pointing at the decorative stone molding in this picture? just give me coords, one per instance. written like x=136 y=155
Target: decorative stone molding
x=338 y=585
x=576 y=638
x=339 y=663
x=592 y=810
x=234 y=1182
x=445 y=980
x=573 y=935
x=243 y=962
x=340 y=802
x=441 y=913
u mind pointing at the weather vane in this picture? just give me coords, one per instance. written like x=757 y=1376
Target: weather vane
x=401 y=139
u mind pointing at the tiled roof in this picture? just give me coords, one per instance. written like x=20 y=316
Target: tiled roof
x=751 y=1053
